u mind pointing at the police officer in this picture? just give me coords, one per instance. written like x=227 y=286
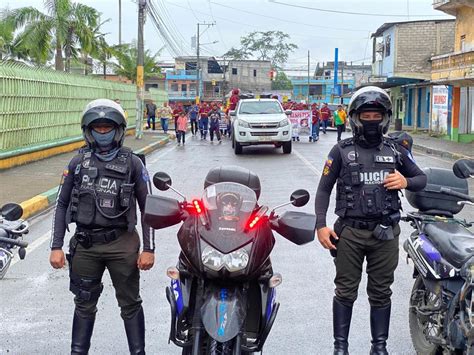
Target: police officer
x=370 y=170
x=99 y=192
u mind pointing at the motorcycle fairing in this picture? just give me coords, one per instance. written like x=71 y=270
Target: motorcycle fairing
x=223 y=312
x=270 y=303
x=428 y=261
x=178 y=296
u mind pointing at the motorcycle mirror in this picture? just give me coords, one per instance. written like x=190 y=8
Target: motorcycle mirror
x=162 y=181
x=22 y=253
x=464 y=168
x=12 y=211
x=299 y=198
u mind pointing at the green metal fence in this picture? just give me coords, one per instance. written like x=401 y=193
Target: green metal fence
x=40 y=106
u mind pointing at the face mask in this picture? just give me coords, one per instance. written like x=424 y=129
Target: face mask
x=104 y=140
x=371 y=131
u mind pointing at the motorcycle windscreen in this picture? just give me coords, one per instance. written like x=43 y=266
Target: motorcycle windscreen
x=229 y=207
x=222 y=313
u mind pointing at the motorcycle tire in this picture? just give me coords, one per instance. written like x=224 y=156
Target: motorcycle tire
x=417 y=326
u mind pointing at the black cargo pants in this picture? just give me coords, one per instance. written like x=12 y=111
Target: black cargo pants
x=353 y=247
x=120 y=258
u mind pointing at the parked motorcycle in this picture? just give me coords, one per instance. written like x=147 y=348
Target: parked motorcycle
x=222 y=294
x=12 y=227
x=441 y=313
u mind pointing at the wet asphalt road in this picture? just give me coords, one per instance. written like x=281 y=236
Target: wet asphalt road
x=36 y=307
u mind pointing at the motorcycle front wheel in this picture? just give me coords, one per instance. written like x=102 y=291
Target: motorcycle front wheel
x=211 y=347
x=424 y=326
x=4 y=264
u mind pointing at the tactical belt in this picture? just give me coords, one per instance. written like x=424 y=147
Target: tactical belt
x=358 y=224
x=89 y=237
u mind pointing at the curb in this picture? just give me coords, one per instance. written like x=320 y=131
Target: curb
x=440 y=153
x=44 y=200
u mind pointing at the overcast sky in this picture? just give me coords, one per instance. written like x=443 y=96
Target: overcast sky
x=317 y=31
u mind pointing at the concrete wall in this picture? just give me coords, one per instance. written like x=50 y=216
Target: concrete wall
x=417 y=42
x=464 y=26
x=245 y=79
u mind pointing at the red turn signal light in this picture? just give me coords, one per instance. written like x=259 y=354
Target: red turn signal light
x=197 y=206
x=254 y=222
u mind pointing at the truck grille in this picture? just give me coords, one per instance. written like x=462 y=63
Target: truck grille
x=264 y=134
x=264 y=125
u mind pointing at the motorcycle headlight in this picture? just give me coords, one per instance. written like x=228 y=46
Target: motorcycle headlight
x=244 y=124
x=215 y=260
x=284 y=123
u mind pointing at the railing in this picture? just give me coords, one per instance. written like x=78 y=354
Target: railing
x=453 y=61
x=181 y=94
x=181 y=73
x=39 y=106
x=212 y=95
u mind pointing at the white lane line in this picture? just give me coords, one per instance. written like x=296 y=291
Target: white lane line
x=34 y=245
x=161 y=155
x=307 y=162
x=444 y=160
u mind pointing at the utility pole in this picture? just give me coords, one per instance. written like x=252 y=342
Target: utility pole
x=120 y=22
x=140 y=62
x=336 y=69
x=198 y=76
x=342 y=83
x=307 y=101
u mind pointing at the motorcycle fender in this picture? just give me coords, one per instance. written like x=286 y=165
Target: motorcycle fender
x=223 y=313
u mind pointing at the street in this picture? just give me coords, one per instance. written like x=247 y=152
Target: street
x=37 y=308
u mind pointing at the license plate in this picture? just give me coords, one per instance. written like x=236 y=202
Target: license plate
x=265 y=139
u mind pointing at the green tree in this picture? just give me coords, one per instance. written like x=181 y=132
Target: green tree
x=268 y=45
x=61 y=30
x=282 y=82
x=126 y=55
x=236 y=54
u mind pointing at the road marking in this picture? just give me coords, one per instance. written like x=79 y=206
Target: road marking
x=161 y=155
x=34 y=245
x=417 y=152
x=307 y=162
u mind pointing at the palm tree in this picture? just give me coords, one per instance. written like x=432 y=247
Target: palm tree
x=63 y=27
x=126 y=55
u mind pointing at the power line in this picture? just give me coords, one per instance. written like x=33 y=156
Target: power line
x=173 y=27
x=346 y=12
x=289 y=21
x=217 y=27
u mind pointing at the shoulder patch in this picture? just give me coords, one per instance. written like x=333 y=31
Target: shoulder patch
x=145 y=175
x=327 y=166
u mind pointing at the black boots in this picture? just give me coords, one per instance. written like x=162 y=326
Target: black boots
x=341 y=323
x=81 y=334
x=379 y=324
x=135 y=329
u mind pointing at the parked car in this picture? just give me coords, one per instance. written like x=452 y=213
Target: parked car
x=260 y=121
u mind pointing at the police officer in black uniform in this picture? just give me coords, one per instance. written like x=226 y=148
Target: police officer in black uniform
x=370 y=170
x=99 y=192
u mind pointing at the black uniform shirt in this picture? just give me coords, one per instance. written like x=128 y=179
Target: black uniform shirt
x=139 y=176
x=416 y=179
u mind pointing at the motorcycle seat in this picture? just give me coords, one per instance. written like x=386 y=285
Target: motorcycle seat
x=453 y=241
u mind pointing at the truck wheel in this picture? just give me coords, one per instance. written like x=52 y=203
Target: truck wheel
x=237 y=148
x=287 y=147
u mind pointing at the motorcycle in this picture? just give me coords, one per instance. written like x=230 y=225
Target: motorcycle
x=12 y=227
x=441 y=311
x=222 y=294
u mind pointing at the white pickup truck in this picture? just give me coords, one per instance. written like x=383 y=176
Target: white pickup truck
x=260 y=121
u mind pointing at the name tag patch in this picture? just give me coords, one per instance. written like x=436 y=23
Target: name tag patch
x=384 y=159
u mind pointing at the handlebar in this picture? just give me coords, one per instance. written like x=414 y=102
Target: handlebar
x=460 y=195
x=20 y=243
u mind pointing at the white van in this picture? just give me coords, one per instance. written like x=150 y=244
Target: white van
x=260 y=121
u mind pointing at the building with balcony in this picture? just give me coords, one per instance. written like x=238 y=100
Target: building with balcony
x=181 y=85
x=321 y=84
x=401 y=62
x=455 y=70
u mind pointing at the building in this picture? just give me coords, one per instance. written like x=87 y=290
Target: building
x=217 y=78
x=321 y=84
x=453 y=74
x=401 y=61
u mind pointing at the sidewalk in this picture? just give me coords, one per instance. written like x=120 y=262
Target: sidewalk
x=441 y=147
x=35 y=185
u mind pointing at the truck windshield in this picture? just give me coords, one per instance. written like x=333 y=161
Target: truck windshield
x=259 y=107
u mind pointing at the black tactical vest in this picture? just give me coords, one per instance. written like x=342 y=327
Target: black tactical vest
x=103 y=195
x=360 y=190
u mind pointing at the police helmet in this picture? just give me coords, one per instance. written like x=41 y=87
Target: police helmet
x=103 y=111
x=369 y=98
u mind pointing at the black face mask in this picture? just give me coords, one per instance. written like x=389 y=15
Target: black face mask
x=371 y=131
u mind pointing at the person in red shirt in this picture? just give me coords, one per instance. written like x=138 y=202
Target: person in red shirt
x=314 y=123
x=203 y=119
x=234 y=99
x=325 y=115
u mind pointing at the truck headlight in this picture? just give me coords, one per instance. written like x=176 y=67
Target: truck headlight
x=244 y=124
x=284 y=123
x=215 y=260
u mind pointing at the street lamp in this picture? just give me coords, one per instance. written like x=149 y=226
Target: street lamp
x=197 y=54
